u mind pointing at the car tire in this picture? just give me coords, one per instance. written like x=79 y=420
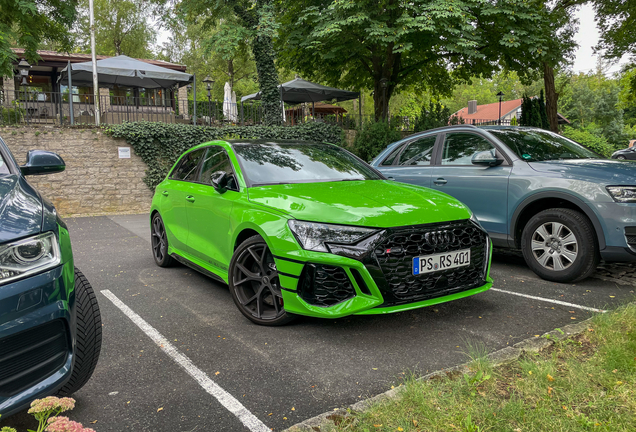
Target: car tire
x=254 y=284
x=560 y=245
x=88 y=335
x=159 y=242
x=621 y=157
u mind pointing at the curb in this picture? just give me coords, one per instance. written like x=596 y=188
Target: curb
x=502 y=356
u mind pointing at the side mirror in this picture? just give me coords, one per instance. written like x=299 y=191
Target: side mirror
x=219 y=181
x=486 y=158
x=39 y=162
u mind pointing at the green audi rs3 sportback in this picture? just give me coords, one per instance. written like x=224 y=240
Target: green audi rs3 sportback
x=300 y=228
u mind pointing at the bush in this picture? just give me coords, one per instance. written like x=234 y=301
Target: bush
x=372 y=138
x=432 y=116
x=160 y=144
x=11 y=115
x=593 y=142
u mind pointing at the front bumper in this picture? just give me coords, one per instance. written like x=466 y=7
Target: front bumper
x=376 y=282
x=37 y=335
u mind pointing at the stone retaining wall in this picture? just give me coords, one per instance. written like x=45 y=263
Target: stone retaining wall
x=95 y=181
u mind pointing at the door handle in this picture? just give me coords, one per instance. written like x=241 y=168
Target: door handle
x=440 y=181
x=190 y=198
x=165 y=193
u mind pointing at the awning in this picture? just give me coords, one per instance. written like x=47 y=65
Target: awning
x=125 y=71
x=299 y=91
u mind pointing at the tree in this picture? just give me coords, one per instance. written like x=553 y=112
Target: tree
x=258 y=21
x=121 y=27
x=386 y=45
x=28 y=23
x=616 y=20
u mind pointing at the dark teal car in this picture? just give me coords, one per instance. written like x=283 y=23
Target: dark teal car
x=50 y=324
x=563 y=205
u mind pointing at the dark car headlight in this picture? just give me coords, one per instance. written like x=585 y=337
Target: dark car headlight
x=315 y=236
x=623 y=194
x=28 y=256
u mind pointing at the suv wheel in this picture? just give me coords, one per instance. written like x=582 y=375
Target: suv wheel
x=621 y=157
x=255 y=285
x=559 y=245
x=88 y=335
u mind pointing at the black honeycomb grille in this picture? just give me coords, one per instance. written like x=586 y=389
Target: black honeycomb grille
x=405 y=244
x=631 y=240
x=32 y=355
x=325 y=285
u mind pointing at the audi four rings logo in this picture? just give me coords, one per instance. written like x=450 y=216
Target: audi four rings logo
x=439 y=237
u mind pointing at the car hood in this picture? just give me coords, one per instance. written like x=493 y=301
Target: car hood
x=372 y=203
x=20 y=209
x=604 y=170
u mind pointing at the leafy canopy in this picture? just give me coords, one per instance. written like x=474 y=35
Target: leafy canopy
x=28 y=23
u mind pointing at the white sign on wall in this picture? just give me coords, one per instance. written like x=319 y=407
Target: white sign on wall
x=124 y=152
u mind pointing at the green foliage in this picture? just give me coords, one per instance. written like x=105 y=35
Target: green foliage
x=514 y=122
x=121 y=27
x=432 y=116
x=11 y=115
x=590 y=140
x=616 y=21
x=545 y=124
x=30 y=23
x=426 y=44
x=160 y=144
x=373 y=137
x=533 y=112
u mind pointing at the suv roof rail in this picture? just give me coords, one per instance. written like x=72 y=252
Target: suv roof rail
x=449 y=127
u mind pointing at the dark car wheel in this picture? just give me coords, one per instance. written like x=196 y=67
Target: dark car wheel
x=255 y=285
x=88 y=335
x=159 y=243
x=559 y=245
x=621 y=157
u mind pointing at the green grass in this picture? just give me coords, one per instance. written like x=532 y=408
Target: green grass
x=582 y=384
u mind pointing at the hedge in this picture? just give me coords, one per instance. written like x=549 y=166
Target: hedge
x=160 y=144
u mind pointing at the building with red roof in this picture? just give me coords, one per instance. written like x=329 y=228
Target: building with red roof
x=489 y=113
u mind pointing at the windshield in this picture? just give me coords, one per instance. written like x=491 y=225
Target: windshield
x=286 y=163
x=534 y=145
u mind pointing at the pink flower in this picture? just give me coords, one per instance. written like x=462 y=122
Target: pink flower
x=51 y=403
x=63 y=424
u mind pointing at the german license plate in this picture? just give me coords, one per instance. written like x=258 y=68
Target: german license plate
x=441 y=261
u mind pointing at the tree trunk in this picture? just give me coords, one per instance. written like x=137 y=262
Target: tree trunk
x=551 y=97
x=386 y=70
x=230 y=72
x=263 y=50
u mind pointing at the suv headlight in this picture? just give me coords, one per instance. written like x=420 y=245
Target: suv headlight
x=623 y=194
x=314 y=236
x=28 y=256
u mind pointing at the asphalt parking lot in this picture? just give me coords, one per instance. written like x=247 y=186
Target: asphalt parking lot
x=280 y=375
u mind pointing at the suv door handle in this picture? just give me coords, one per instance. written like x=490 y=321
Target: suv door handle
x=190 y=198
x=440 y=181
x=165 y=193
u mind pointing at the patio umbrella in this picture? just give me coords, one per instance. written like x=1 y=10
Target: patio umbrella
x=298 y=91
x=229 y=103
x=125 y=71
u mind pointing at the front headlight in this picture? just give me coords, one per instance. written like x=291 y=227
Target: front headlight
x=314 y=236
x=623 y=194
x=28 y=256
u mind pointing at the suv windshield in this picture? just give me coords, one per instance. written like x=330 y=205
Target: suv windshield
x=286 y=163
x=534 y=145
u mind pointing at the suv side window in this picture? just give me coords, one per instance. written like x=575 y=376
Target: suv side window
x=216 y=159
x=418 y=152
x=459 y=148
x=187 y=168
x=4 y=168
x=389 y=160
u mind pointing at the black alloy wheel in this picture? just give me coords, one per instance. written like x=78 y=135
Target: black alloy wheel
x=621 y=157
x=159 y=243
x=255 y=285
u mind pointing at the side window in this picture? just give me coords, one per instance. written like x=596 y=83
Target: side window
x=460 y=147
x=187 y=168
x=4 y=169
x=418 y=152
x=389 y=160
x=215 y=160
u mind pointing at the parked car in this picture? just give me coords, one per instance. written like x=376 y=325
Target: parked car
x=50 y=324
x=563 y=205
x=309 y=229
x=628 y=153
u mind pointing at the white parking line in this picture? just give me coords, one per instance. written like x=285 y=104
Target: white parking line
x=562 y=303
x=227 y=400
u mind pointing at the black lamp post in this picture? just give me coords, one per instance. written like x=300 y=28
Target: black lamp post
x=500 y=95
x=23 y=68
x=209 y=82
x=384 y=84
